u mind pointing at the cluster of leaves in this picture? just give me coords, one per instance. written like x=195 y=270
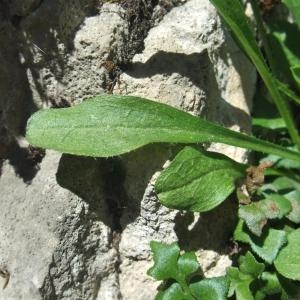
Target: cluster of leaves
x=182 y=275
x=197 y=180
x=269 y=215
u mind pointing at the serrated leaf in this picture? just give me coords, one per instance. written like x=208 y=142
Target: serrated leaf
x=249 y=265
x=256 y=214
x=254 y=217
x=275 y=206
x=198 y=180
x=173 y=292
x=188 y=264
x=239 y=284
x=210 y=288
x=111 y=125
x=294 y=198
x=165 y=260
x=287 y=262
x=266 y=246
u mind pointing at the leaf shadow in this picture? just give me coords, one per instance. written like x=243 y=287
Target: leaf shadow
x=199 y=69
x=209 y=230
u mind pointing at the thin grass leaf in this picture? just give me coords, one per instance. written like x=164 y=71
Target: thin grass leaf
x=233 y=13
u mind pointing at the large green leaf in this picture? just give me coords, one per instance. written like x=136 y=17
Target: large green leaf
x=198 y=180
x=111 y=125
x=210 y=288
x=287 y=262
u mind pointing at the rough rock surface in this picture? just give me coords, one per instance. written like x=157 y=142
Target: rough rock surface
x=79 y=228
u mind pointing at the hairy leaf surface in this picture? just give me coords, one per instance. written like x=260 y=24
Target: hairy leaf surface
x=198 y=180
x=287 y=262
x=111 y=125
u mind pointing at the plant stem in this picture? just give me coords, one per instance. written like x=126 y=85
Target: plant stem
x=230 y=137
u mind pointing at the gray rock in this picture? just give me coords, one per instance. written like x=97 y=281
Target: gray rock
x=54 y=243
x=79 y=228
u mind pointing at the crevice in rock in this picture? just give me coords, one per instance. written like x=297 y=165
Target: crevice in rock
x=139 y=17
x=116 y=198
x=189 y=226
x=113 y=179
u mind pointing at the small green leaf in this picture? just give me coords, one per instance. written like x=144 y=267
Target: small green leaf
x=188 y=264
x=282 y=185
x=272 y=284
x=173 y=292
x=239 y=284
x=198 y=180
x=254 y=217
x=165 y=260
x=266 y=246
x=275 y=123
x=294 y=198
x=249 y=265
x=280 y=162
x=256 y=214
x=287 y=262
x=275 y=206
x=210 y=288
x=111 y=125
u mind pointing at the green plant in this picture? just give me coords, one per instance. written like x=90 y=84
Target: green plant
x=269 y=213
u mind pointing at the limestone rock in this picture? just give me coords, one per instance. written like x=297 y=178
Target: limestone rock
x=79 y=228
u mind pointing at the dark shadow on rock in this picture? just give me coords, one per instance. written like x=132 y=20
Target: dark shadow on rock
x=105 y=183
x=25 y=161
x=193 y=66
x=16 y=102
x=199 y=70
x=140 y=166
x=84 y=177
x=212 y=231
